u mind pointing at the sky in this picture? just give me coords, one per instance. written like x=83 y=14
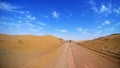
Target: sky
x=67 y=19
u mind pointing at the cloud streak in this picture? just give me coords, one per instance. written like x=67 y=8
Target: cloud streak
x=117 y=10
x=4 y=6
x=7 y=6
x=63 y=30
x=23 y=21
x=55 y=14
x=117 y=24
x=34 y=30
x=103 y=8
x=30 y=17
x=92 y=3
x=107 y=22
x=107 y=8
x=83 y=31
x=42 y=24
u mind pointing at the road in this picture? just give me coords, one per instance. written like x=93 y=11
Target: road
x=70 y=55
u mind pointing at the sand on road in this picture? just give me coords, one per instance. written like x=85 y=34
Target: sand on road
x=70 y=55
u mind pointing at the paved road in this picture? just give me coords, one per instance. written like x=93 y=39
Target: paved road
x=70 y=55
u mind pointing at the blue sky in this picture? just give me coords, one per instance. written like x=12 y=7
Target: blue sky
x=68 y=19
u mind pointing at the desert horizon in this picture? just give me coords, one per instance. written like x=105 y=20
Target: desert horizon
x=59 y=33
x=50 y=51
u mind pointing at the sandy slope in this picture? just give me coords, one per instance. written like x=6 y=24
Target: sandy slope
x=15 y=50
x=108 y=44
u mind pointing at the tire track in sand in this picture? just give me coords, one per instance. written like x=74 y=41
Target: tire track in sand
x=62 y=63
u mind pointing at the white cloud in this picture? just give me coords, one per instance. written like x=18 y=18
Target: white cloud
x=92 y=3
x=34 y=30
x=55 y=14
x=23 y=21
x=97 y=33
x=68 y=15
x=107 y=22
x=42 y=24
x=12 y=24
x=29 y=24
x=103 y=8
x=117 y=24
x=63 y=30
x=109 y=29
x=31 y=17
x=83 y=31
x=107 y=8
x=40 y=28
x=95 y=9
x=9 y=7
x=80 y=29
x=117 y=10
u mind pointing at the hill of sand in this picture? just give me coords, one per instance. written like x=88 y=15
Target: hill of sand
x=16 y=49
x=109 y=45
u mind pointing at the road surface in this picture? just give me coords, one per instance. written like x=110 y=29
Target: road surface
x=70 y=55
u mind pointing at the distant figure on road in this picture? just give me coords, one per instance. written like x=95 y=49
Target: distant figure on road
x=70 y=41
x=67 y=41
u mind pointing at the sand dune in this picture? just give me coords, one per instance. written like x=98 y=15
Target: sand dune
x=109 y=45
x=17 y=49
